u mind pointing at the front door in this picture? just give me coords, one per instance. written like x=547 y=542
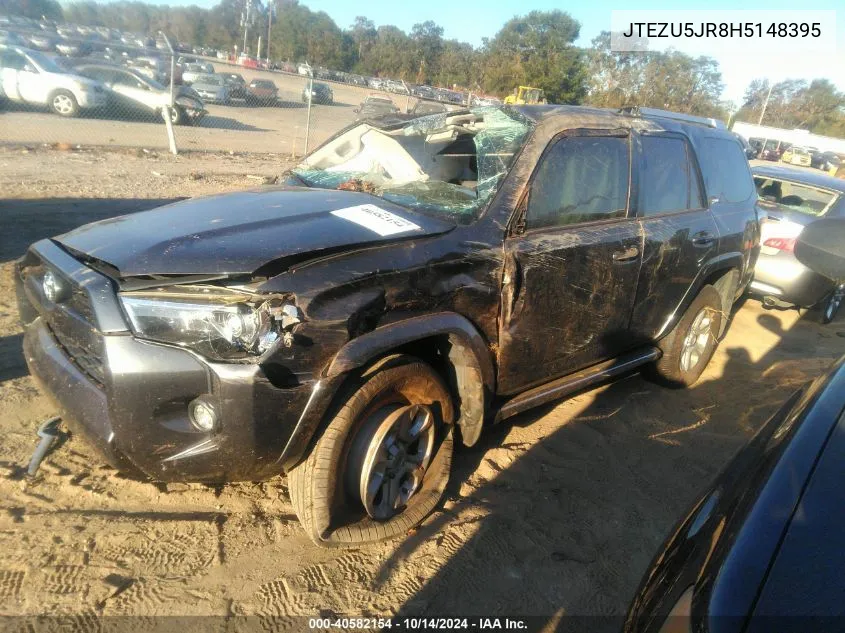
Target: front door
x=571 y=267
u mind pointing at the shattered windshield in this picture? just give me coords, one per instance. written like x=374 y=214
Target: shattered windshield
x=448 y=164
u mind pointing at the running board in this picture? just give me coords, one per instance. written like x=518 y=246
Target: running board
x=574 y=382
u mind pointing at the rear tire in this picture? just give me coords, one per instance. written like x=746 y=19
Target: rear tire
x=63 y=103
x=832 y=304
x=689 y=346
x=370 y=476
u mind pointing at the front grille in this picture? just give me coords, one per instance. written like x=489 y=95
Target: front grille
x=85 y=359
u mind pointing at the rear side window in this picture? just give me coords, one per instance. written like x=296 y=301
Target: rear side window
x=580 y=179
x=726 y=173
x=668 y=177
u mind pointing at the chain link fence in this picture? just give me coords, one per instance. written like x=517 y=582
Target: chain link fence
x=96 y=86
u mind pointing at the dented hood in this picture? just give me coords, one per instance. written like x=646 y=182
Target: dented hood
x=238 y=233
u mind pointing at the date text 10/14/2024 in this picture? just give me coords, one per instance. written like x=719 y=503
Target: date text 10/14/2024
x=422 y=623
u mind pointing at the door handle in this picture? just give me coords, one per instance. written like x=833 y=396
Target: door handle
x=626 y=255
x=702 y=239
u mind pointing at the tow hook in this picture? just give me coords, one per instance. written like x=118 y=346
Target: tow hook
x=48 y=432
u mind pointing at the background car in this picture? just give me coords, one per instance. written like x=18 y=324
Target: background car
x=320 y=93
x=750 y=151
x=262 y=92
x=31 y=77
x=134 y=92
x=212 y=88
x=763 y=550
x=428 y=107
x=192 y=71
x=375 y=106
x=773 y=150
x=828 y=161
x=790 y=199
x=236 y=83
x=797 y=156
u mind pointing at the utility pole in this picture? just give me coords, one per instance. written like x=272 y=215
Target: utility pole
x=765 y=104
x=258 y=49
x=246 y=24
x=269 y=24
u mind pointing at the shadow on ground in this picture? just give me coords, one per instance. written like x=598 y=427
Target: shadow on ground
x=565 y=527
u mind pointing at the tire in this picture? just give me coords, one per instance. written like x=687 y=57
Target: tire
x=177 y=116
x=63 y=103
x=328 y=487
x=685 y=358
x=832 y=304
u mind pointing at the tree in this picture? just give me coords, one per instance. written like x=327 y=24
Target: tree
x=816 y=106
x=537 y=50
x=427 y=41
x=669 y=80
x=34 y=9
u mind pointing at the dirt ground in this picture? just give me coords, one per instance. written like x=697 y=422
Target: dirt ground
x=555 y=513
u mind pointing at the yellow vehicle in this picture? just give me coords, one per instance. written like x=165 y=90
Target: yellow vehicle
x=526 y=95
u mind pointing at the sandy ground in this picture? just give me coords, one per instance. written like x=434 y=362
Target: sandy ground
x=556 y=513
x=235 y=127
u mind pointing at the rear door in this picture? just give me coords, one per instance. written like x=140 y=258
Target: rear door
x=571 y=264
x=680 y=233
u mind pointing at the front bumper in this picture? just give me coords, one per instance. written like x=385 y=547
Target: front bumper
x=92 y=99
x=783 y=277
x=130 y=398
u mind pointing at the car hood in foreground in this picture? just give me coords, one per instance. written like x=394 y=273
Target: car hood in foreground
x=239 y=233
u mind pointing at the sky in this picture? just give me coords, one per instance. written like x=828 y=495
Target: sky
x=471 y=20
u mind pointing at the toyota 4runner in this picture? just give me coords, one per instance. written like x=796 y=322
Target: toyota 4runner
x=411 y=280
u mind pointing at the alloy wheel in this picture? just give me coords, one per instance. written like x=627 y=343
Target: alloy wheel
x=394 y=448
x=63 y=104
x=696 y=340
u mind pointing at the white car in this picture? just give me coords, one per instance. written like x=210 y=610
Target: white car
x=304 y=69
x=192 y=71
x=133 y=91
x=31 y=77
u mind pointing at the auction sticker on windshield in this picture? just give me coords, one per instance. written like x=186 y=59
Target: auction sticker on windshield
x=377 y=220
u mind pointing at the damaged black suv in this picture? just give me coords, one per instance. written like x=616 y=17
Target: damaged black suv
x=411 y=280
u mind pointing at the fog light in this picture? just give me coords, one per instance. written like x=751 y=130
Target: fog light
x=203 y=415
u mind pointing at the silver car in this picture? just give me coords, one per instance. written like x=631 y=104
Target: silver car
x=30 y=76
x=212 y=89
x=790 y=199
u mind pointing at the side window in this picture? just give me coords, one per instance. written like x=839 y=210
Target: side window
x=127 y=79
x=580 y=179
x=13 y=60
x=668 y=176
x=726 y=172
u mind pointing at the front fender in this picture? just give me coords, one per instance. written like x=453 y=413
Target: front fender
x=469 y=355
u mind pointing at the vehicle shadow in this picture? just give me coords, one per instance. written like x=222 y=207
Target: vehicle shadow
x=564 y=528
x=226 y=123
x=12 y=364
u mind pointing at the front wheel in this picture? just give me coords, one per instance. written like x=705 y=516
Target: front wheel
x=689 y=346
x=177 y=116
x=63 y=103
x=833 y=303
x=381 y=465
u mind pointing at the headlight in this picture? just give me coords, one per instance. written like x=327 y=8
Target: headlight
x=219 y=331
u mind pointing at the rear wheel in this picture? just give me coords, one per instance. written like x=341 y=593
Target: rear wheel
x=381 y=465
x=177 y=116
x=689 y=346
x=832 y=304
x=63 y=103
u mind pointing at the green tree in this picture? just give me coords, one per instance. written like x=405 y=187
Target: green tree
x=537 y=50
x=34 y=9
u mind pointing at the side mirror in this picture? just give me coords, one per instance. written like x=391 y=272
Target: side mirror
x=821 y=248
x=29 y=68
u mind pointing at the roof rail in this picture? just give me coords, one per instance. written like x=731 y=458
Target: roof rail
x=668 y=114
